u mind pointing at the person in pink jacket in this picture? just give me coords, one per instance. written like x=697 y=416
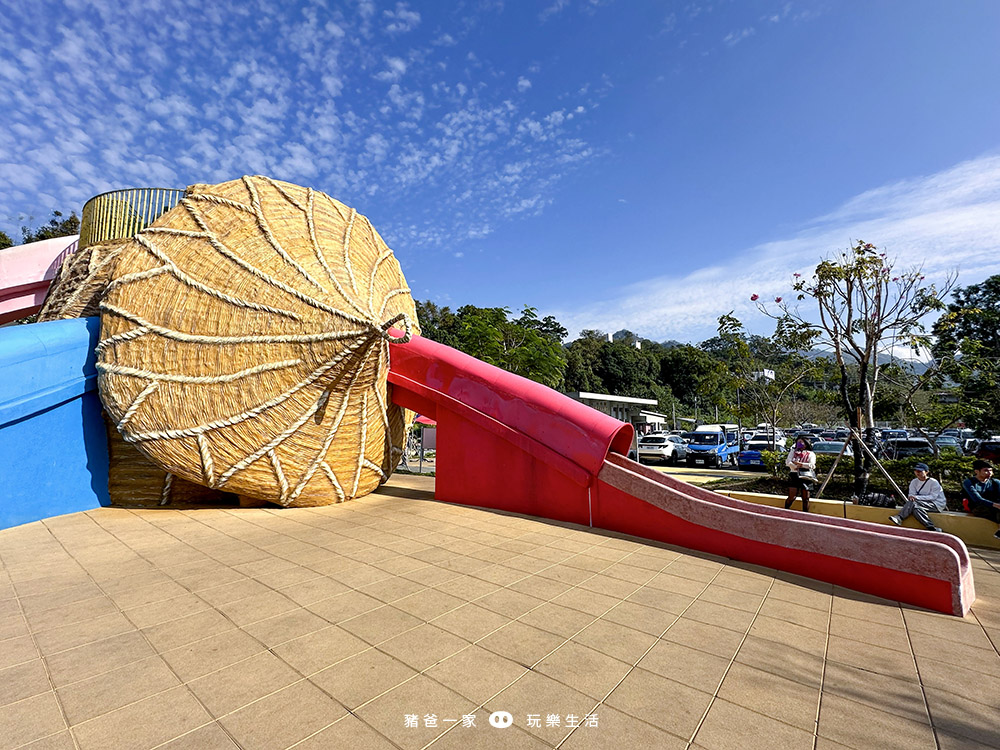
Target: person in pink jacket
x=801 y=463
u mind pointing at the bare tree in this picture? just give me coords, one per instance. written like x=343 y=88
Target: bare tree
x=866 y=309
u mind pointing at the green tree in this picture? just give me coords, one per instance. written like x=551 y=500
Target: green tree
x=694 y=376
x=5 y=241
x=967 y=350
x=56 y=227
x=437 y=323
x=627 y=366
x=583 y=363
x=548 y=327
x=628 y=371
x=527 y=346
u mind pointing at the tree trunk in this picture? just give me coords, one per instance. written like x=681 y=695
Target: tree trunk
x=854 y=422
x=863 y=462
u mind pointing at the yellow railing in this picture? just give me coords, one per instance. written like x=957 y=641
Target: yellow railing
x=123 y=213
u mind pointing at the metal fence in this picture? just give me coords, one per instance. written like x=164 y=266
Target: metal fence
x=123 y=213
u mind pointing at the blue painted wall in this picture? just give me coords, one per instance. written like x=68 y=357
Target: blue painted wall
x=53 y=447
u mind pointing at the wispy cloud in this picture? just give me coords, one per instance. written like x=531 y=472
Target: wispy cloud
x=735 y=37
x=395 y=67
x=400 y=20
x=558 y=6
x=778 y=15
x=943 y=222
x=553 y=9
x=368 y=102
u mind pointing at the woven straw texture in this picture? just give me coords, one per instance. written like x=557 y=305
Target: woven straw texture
x=133 y=480
x=245 y=344
x=136 y=482
x=76 y=290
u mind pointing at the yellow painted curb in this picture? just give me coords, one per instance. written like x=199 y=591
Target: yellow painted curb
x=975 y=532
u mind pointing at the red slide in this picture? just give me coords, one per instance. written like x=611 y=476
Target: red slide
x=509 y=443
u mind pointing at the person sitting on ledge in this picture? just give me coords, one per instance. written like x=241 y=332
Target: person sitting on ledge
x=925 y=494
x=981 y=493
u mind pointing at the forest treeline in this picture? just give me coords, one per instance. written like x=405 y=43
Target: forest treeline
x=826 y=376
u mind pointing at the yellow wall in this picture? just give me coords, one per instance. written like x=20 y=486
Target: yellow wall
x=975 y=532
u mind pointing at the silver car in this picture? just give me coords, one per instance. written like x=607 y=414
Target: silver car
x=661 y=447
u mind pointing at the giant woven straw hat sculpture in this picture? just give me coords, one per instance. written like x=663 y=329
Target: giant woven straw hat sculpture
x=75 y=291
x=245 y=344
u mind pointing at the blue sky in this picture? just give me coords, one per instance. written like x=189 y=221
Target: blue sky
x=616 y=163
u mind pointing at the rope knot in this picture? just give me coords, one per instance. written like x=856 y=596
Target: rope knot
x=407 y=329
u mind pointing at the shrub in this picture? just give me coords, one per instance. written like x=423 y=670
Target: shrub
x=774 y=462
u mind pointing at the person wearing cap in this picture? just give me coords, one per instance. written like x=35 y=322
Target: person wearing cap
x=981 y=493
x=924 y=495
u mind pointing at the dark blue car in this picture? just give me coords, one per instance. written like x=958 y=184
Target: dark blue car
x=751 y=458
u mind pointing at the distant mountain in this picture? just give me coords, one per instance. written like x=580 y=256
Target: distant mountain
x=919 y=367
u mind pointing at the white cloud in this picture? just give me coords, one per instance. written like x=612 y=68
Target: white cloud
x=942 y=222
x=377 y=147
x=556 y=118
x=554 y=9
x=735 y=37
x=778 y=16
x=282 y=89
x=523 y=84
x=395 y=67
x=401 y=20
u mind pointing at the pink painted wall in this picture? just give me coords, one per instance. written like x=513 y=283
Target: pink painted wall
x=25 y=273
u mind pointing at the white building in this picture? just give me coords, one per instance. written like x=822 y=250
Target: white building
x=625 y=408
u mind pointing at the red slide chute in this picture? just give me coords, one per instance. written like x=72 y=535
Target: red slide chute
x=508 y=443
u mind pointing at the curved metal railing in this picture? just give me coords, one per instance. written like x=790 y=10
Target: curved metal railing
x=122 y=213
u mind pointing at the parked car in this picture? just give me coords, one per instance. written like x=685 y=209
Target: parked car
x=906 y=447
x=894 y=435
x=989 y=450
x=751 y=457
x=766 y=440
x=834 y=447
x=680 y=445
x=661 y=447
x=948 y=444
x=714 y=445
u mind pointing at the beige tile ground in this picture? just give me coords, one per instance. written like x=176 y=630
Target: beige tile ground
x=393 y=621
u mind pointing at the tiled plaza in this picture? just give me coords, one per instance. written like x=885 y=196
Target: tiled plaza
x=398 y=622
